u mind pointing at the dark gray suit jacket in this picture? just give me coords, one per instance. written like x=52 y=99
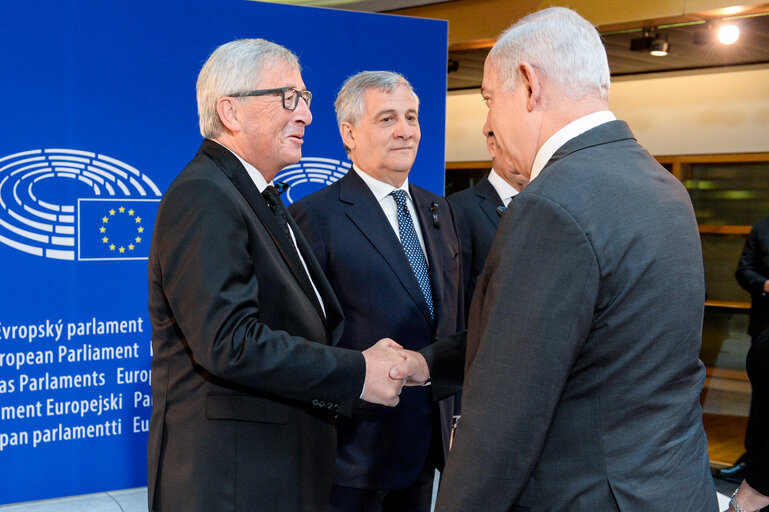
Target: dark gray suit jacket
x=475 y=210
x=381 y=447
x=583 y=379
x=244 y=382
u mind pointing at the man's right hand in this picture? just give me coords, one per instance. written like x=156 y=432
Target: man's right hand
x=379 y=388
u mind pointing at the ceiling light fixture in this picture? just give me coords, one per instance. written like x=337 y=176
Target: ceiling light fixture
x=728 y=33
x=659 y=47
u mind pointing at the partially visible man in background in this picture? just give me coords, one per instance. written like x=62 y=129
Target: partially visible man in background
x=752 y=275
x=477 y=211
x=246 y=380
x=391 y=254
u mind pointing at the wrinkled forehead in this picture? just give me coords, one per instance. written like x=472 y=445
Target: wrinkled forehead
x=399 y=98
x=278 y=72
x=490 y=74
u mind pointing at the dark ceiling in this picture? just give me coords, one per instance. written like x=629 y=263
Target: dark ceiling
x=684 y=53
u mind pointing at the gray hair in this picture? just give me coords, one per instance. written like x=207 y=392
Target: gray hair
x=559 y=43
x=349 y=101
x=232 y=68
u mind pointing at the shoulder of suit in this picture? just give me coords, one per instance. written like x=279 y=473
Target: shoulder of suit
x=200 y=168
x=430 y=196
x=762 y=226
x=462 y=196
x=320 y=197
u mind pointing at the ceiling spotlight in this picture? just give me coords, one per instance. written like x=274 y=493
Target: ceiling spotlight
x=659 y=47
x=728 y=33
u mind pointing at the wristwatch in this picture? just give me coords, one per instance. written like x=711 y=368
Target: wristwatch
x=733 y=502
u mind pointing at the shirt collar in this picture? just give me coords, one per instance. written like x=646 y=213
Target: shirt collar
x=380 y=189
x=565 y=134
x=252 y=171
x=503 y=188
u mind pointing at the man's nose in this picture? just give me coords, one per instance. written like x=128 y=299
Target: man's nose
x=302 y=112
x=403 y=129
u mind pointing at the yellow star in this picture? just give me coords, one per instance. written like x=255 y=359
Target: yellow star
x=141 y=229
x=121 y=209
x=122 y=250
x=105 y=240
x=131 y=247
x=112 y=212
x=112 y=247
x=102 y=229
x=138 y=239
x=104 y=220
x=138 y=220
x=131 y=213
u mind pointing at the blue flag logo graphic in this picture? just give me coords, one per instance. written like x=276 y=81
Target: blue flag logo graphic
x=115 y=229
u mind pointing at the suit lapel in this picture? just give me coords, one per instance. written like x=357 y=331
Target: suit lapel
x=231 y=166
x=489 y=200
x=367 y=215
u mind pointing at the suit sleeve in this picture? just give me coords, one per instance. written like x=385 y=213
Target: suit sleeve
x=527 y=327
x=750 y=262
x=211 y=279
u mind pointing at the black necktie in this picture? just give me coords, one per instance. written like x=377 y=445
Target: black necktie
x=278 y=208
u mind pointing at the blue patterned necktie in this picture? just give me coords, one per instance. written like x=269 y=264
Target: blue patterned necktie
x=412 y=248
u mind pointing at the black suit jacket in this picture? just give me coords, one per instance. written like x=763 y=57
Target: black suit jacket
x=244 y=380
x=583 y=379
x=475 y=210
x=379 y=447
x=752 y=272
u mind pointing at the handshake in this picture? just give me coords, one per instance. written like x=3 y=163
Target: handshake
x=388 y=368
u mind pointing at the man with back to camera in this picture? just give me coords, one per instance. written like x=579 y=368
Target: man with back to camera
x=246 y=380
x=477 y=210
x=582 y=382
x=391 y=254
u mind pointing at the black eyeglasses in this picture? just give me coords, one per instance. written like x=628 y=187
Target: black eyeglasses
x=290 y=96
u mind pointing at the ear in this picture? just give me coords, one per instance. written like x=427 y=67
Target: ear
x=347 y=131
x=532 y=84
x=227 y=109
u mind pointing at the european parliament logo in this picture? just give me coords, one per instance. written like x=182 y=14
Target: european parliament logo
x=311 y=174
x=68 y=204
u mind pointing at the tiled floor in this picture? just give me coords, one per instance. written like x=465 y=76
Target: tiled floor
x=135 y=500
x=128 y=500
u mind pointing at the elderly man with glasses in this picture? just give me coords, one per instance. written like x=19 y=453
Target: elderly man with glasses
x=246 y=378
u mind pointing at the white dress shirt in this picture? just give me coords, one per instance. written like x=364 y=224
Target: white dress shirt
x=382 y=191
x=565 y=134
x=262 y=184
x=505 y=190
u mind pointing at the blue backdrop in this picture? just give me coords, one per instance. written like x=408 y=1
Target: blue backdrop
x=99 y=115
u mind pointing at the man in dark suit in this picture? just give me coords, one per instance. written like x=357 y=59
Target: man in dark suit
x=391 y=254
x=582 y=385
x=753 y=275
x=477 y=210
x=246 y=377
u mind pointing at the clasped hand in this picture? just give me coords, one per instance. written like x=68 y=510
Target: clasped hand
x=388 y=368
